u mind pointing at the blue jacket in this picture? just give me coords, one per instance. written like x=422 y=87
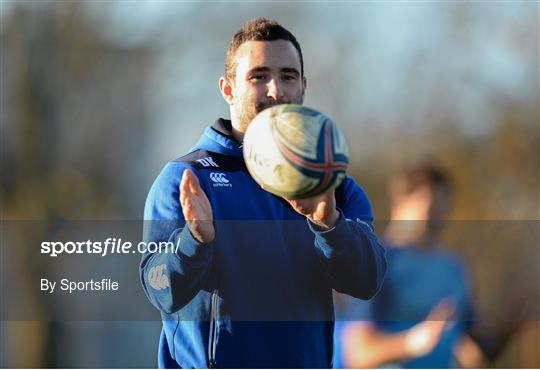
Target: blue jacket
x=260 y=295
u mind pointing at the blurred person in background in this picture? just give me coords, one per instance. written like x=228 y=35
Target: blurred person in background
x=421 y=316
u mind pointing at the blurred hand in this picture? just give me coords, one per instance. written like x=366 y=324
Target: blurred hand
x=196 y=208
x=320 y=210
x=422 y=338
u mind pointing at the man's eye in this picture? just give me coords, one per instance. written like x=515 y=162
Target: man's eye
x=289 y=77
x=257 y=78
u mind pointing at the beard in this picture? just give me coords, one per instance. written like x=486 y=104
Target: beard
x=247 y=109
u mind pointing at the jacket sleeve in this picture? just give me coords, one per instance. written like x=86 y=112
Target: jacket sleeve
x=171 y=277
x=351 y=255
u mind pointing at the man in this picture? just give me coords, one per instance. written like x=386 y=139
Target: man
x=251 y=284
x=408 y=321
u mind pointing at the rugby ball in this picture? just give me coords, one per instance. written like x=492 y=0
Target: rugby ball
x=295 y=151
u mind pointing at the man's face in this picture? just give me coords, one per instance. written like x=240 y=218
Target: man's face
x=267 y=74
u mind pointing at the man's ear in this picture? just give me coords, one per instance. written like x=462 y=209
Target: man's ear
x=226 y=88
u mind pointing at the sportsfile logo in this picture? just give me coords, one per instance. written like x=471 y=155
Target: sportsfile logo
x=219 y=179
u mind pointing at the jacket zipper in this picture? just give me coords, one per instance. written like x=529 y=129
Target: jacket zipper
x=213 y=330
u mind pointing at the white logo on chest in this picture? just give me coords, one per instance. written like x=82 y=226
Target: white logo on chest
x=219 y=179
x=157 y=278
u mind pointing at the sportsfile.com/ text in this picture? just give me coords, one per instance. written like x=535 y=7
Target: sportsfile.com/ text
x=108 y=246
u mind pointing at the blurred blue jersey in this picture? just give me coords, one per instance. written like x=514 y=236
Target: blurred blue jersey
x=416 y=280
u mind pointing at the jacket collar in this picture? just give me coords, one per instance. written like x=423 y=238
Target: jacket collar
x=218 y=138
x=224 y=127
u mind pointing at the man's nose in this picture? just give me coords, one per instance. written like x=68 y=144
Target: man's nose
x=275 y=90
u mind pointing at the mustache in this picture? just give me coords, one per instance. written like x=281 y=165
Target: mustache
x=260 y=106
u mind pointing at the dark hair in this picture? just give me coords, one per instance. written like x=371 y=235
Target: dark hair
x=412 y=178
x=259 y=29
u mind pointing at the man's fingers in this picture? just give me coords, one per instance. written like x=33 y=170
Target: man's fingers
x=184 y=188
x=191 y=196
x=186 y=194
x=193 y=182
x=443 y=310
x=189 y=185
x=196 y=208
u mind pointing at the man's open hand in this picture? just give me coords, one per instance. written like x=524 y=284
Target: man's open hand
x=423 y=337
x=320 y=210
x=196 y=208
